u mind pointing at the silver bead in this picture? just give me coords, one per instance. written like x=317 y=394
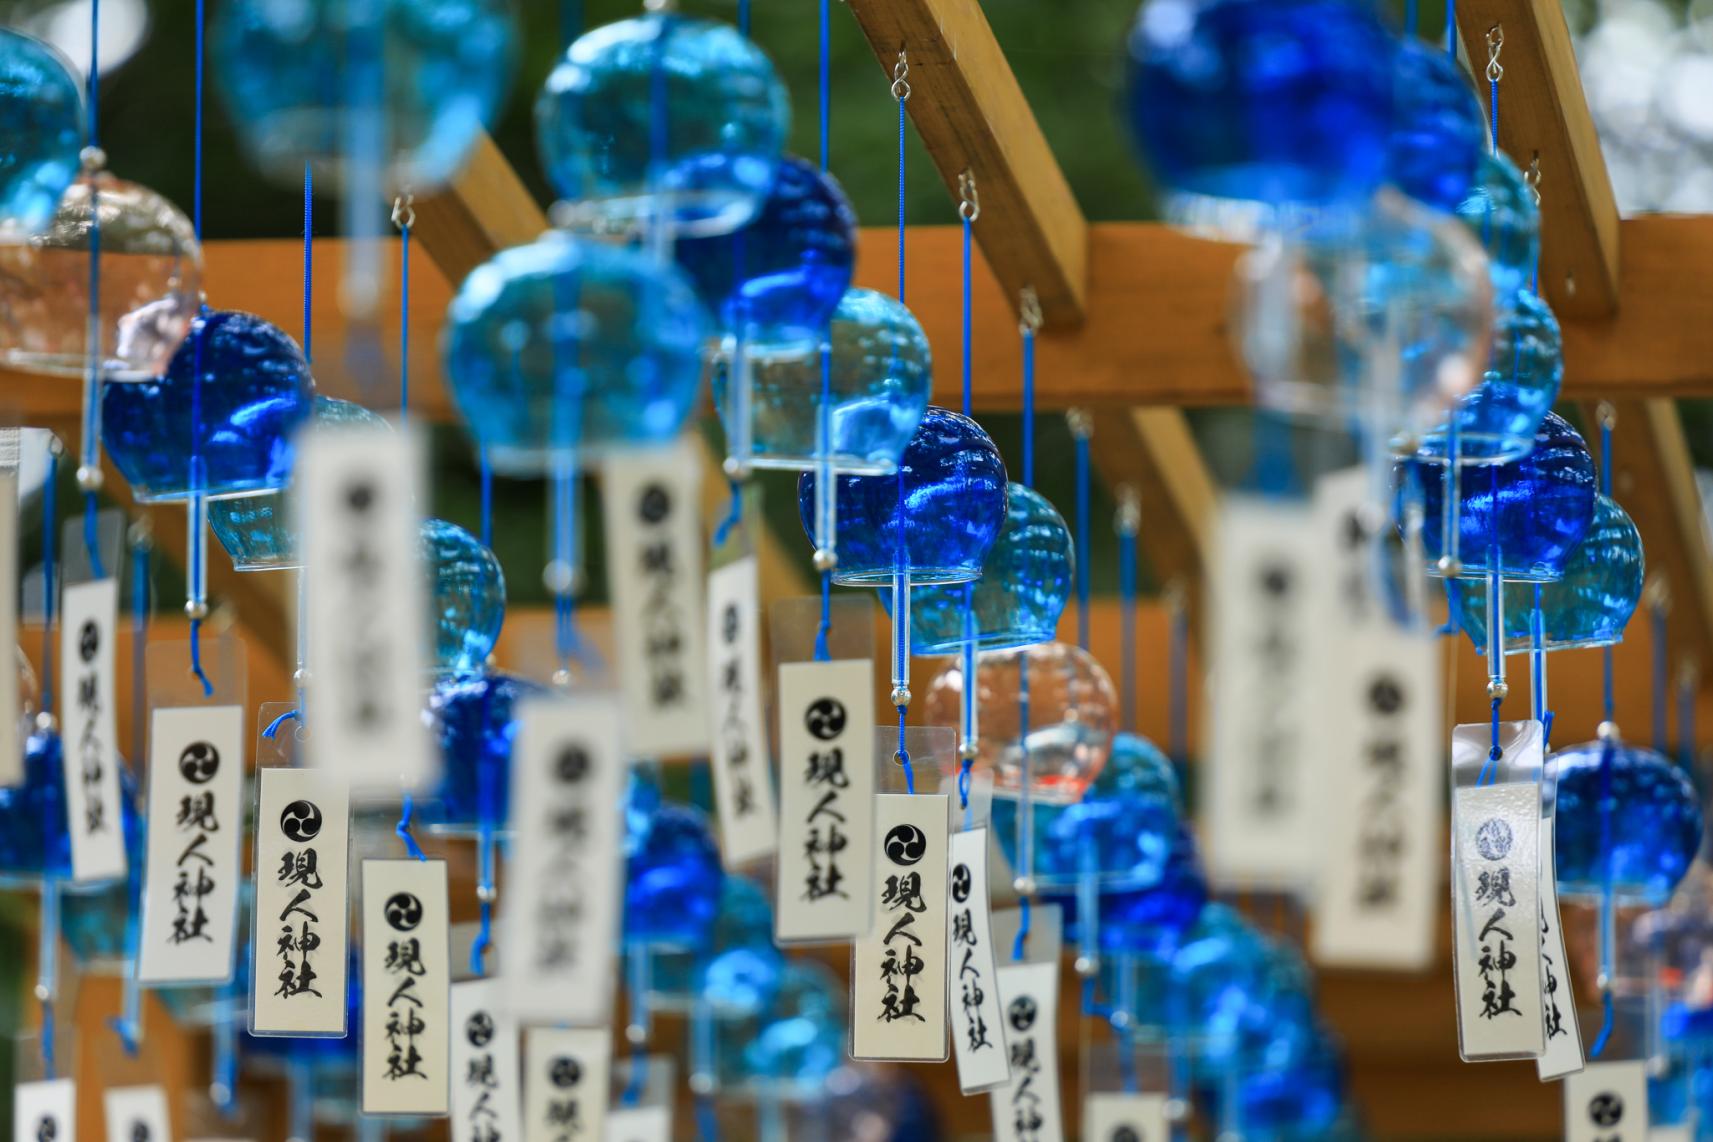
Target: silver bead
x=636 y=1034
x=1087 y=966
x=196 y=609
x=88 y=478
x=1081 y=423
x=92 y=158
x=486 y=894
x=900 y=696
x=701 y=1084
x=46 y=722
x=736 y=469
x=1024 y=886
x=1449 y=567
x=1177 y=1110
x=825 y=559
x=562 y=678
x=1120 y=1020
x=1607 y=732
x=1498 y=689
x=969 y=750
x=300 y=676
x=558 y=577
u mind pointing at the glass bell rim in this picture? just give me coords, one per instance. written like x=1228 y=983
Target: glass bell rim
x=1108 y=880
x=1593 y=892
x=645 y=208
x=1011 y=638
x=1494 y=448
x=882 y=575
x=253 y=563
x=1526 y=645
x=1535 y=574
x=843 y=463
x=113 y=370
x=144 y=495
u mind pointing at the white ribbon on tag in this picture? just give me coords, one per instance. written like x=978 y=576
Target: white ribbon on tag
x=826 y=801
x=566 y=1083
x=486 y=1087
x=898 y=977
x=1563 y=1055
x=44 y=1110
x=561 y=913
x=407 y=981
x=92 y=796
x=196 y=820
x=299 y=950
x=136 y=1114
x=1026 y=1109
x=1110 y=1117
x=1607 y=1102
x=654 y=569
x=978 y=1028
x=362 y=563
x=743 y=792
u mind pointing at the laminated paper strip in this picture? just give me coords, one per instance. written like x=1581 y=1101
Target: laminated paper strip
x=898 y=1000
x=303 y=822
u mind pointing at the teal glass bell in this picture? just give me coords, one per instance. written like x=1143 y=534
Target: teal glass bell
x=95 y=921
x=672 y=879
x=663 y=118
x=258 y=531
x=41 y=133
x=467 y=594
x=568 y=343
x=1438 y=135
x=1626 y=816
x=1024 y=585
x=1497 y=422
x=794 y=1045
x=473 y=719
x=1501 y=211
x=738 y=974
x=1590 y=605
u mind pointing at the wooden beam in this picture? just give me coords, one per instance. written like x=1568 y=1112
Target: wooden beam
x=973 y=117
x=1543 y=114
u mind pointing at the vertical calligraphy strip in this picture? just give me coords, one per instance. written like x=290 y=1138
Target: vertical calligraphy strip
x=898 y=981
x=1026 y=1109
x=87 y=712
x=743 y=791
x=1607 y=1102
x=11 y=748
x=1563 y=1054
x=1110 y=1117
x=1495 y=847
x=826 y=800
x=303 y=823
x=565 y=1084
x=654 y=566
x=135 y=1114
x=356 y=504
x=561 y=920
x=46 y=1109
x=486 y=1086
x=196 y=820
x=978 y=1029
x=407 y=980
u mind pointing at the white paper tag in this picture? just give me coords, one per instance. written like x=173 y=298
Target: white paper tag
x=196 y=820
x=1110 y=1117
x=826 y=801
x=1380 y=729
x=136 y=1114
x=93 y=811
x=565 y=1084
x=561 y=921
x=1263 y=820
x=303 y=823
x=978 y=1028
x=11 y=743
x=44 y=1111
x=898 y=982
x=1671 y=1134
x=654 y=567
x=1495 y=835
x=1563 y=1055
x=1607 y=1102
x=742 y=791
x=1026 y=1109
x=639 y=1124
x=407 y=980
x=356 y=503
x=486 y=1087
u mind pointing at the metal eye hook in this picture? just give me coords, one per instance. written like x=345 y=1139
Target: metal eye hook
x=1028 y=311
x=404 y=211
x=1495 y=44
x=969 y=209
x=901 y=78
x=1532 y=177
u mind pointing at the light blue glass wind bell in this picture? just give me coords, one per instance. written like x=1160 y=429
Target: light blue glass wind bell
x=41 y=105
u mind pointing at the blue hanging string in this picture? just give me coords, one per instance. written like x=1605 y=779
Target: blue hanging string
x=1082 y=538
x=733 y=516
x=198 y=471
x=92 y=424
x=1451 y=28
x=1490 y=768
x=1493 y=102
x=825 y=79
x=743 y=17
x=139 y=646
x=405 y=222
x=825 y=109
x=901 y=200
x=1127 y=634
x=308 y=258
x=1024 y=909
x=274 y=726
x=404 y=833
x=1028 y=404
x=1607 y=753
x=1410 y=23
x=487 y=826
x=50 y=526
x=487 y=476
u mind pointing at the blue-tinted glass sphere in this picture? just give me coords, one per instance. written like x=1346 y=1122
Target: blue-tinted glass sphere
x=1024 y=585
x=33 y=836
x=951 y=488
x=1496 y=423
x=881 y=374
x=1295 y=1102
x=467 y=594
x=572 y=343
x=672 y=880
x=1654 y=822
x=41 y=133
x=738 y=974
x=776 y=281
x=1217 y=977
x=93 y=921
x=474 y=721
x=1151 y=921
x=797 y=1043
x=662 y=116
x=255 y=393
x=1278 y=101
x=1501 y=211
x=1437 y=132
x=258 y=531
x=1589 y=606
x=1530 y=513
x=296 y=76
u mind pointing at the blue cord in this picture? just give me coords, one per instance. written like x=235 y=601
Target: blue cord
x=904 y=755
x=1607 y=751
x=969 y=400
x=900 y=200
x=1023 y=921
x=1127 y=633
x=733 y=517
x=826 y=82
x=1410 y=22
x=308 y=258
x=198 y=467
x=50 y=525
x=743 y=16
x=1082 y=539
x=1493 y=102
x=487 y=473
x=404 y=322
x=1451 y=27
x=1490 y=769
x=92 y=426
x=92 y=535
x=1028 y=407
x=274 y=726
x=404 y=833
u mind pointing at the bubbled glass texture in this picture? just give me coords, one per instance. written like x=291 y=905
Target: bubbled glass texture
x=1589 y=606
x=467 y=594
x=1299 y=1101
x=569 y=342
x=41 y=133
x=33 y=837
x=663 y=116
x=474 y=721
x=950 y=490
x=1071 y=718
x=1311 y=312
x=1234 y=996
x=299 y=77
x=258 y=531
x=882 y=371
x=1438 y=135
x=672 y=880
x=151 y=282
x=1025 y=582
x=775 y=282
x=738 y=973
x=1151 y=920
x=255 y=393
x=1287 y=102
x=1655 y=823
x=1532 y=512
x=1500 y=210
x=794 y=1044
x=1496 y=423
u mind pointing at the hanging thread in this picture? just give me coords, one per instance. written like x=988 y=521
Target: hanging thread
x=1128 y=525
x=1082 y=428
x=89 y=467
x=196 y=606
x=1609 y=737
x=824 y=554
x=1495 y=72
x=404 y=217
